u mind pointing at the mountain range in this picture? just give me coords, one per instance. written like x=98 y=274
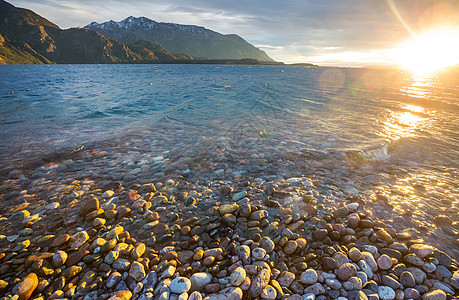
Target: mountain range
x=199 y=42
x=27 y=38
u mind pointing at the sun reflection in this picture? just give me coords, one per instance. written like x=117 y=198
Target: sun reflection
x=419 y=86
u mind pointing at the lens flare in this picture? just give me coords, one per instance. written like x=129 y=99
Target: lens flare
x=430 y=51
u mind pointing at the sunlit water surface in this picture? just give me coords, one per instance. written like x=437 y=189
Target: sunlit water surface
x=380 y=121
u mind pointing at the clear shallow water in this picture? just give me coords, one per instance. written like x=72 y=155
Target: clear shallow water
x=387 y=132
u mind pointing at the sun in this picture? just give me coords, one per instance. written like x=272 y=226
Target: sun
x=430 y=51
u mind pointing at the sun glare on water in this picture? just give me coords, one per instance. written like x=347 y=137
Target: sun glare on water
x=430 y=51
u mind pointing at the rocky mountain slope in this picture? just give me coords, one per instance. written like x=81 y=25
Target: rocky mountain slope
x=27 y=38
x=199 y=42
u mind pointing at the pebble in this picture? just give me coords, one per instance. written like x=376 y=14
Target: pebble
x=258 y=253
x=386 y=293
x=422 y=250
x=59 y=258
x=286 y=278
x=259 y=283
x=180 y=285
x=26 y=286
x=316 y=289
x=353 y=283
x=384 y=262
x=309 y=277
x=355 y=254
x=346 y=271
x=237 y=276
x=333 y=283
x=434 y=295
x=199 y=281
x=137 y=271
x=269 y=293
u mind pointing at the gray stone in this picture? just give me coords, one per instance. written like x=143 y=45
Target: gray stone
x=286 y=278
x=316 y=289
x=389 y=281
x=333 y=283
x=180 y=285
x=386 y=293
x=353 y=283
x=259 y=283
x=243 y=252
x=199 y=281
x=309 y=276
x=434 y=295
x=113 y=280
x=237 y=276
x=137 y=271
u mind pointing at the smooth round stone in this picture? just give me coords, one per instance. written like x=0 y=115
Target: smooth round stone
x=290 y=247
x=59 y=258
x=354 y=283
x=243 y=252
x=195 y=296
x=407 y=279
x=309 y=276
x=199 y=281
x=319 y=234
x=329 y=263
x=258 y=253
x=269 y=293
x=113 y=279
x=316 y=289
x=384 y=262
x=267 y=244
x=78 y=239
x=286 y=278
x=340 y=258
x=422 y=250
x=411 y=293
x=333 y=283
x=353 y=220
x=414 y=260
x=346 y=271
x=389 y=281
x=429 y=267
x=434 y=295
x=442 y=272
x=180 y=285
x=98 y=222
x=386 y=293
x=237 y=276
x=355 y=254
x=137 y=271
x=111 y=257
x=26 y=286
x=363 y=276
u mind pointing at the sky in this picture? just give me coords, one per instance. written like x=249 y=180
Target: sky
x=324 y=32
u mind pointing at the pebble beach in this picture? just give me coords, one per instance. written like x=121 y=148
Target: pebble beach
x=109 y=221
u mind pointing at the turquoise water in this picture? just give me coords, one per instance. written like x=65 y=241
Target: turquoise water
x=44 y=108
x=379 y=131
